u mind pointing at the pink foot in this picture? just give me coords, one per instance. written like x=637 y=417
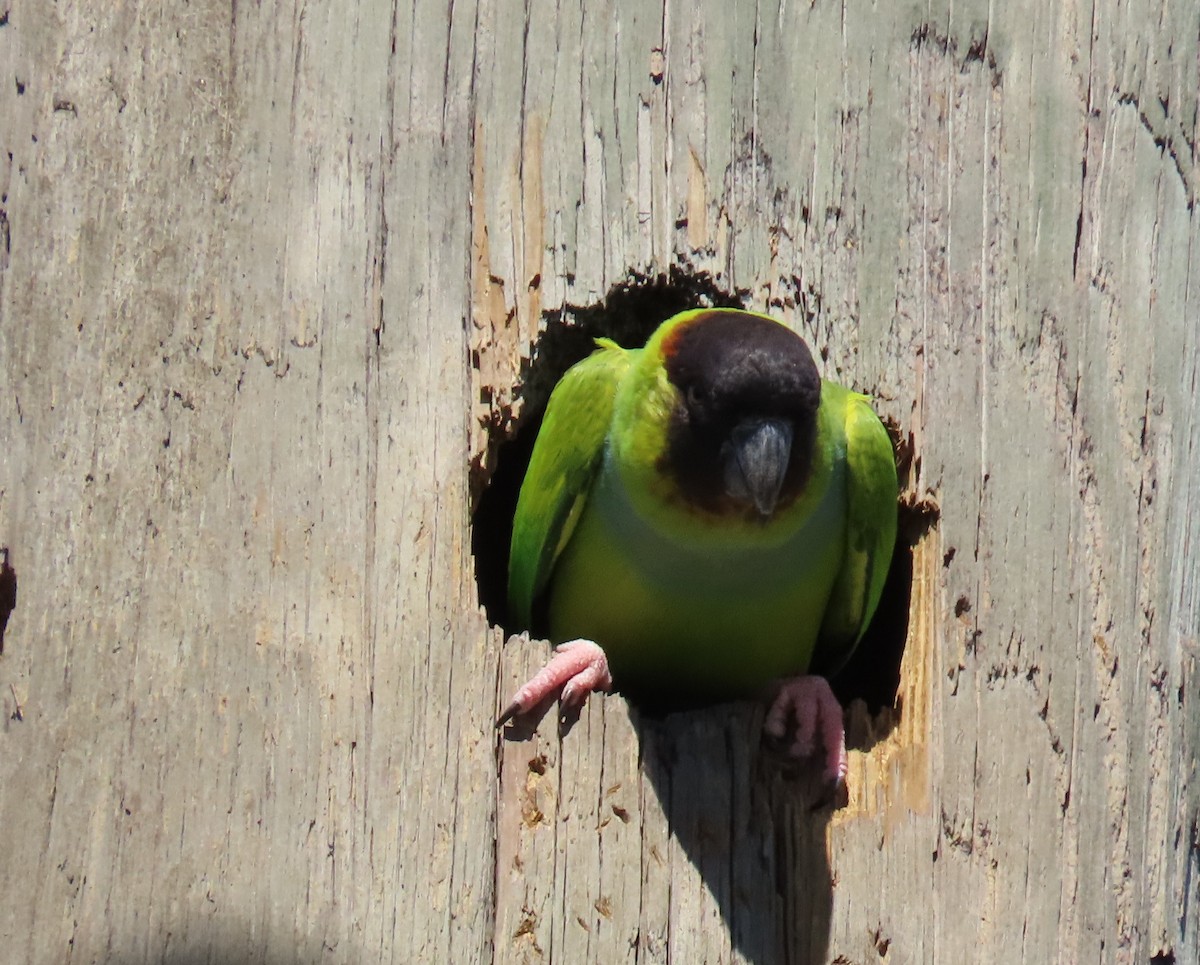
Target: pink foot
x=577 y=668
x=818 y=719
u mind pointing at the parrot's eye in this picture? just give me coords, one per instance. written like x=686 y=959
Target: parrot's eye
x=695 y=398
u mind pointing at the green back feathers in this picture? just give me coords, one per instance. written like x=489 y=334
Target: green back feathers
x=565 y=457
x=871 y=490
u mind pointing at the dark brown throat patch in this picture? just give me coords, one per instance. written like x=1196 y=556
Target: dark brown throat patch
x=730 y=367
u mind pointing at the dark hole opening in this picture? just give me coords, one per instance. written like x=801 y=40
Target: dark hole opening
x=629 y=315
x=8 y=593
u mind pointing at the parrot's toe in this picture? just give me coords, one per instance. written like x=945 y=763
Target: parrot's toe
x=806 y=710
x=577 y=669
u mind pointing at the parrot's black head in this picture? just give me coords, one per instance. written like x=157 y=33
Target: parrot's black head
x=741 y=436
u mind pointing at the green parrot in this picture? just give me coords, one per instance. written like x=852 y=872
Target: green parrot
x=707 y=517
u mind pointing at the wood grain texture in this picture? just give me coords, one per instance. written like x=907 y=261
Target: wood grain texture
x=267 y=276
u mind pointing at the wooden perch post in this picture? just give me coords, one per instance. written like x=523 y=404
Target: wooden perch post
x=268 y=273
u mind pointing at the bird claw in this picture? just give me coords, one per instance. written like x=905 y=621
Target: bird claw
x=806 y=710
x=578 y=668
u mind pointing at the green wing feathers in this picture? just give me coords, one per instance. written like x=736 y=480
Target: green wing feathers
x=565 y=458
x=871 y=491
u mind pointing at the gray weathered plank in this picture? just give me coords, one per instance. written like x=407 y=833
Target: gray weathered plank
x=267 y=274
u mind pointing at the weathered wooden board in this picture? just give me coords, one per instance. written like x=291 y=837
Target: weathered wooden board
x=267 y=275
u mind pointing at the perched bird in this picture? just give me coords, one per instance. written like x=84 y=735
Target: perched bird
x=705 y=517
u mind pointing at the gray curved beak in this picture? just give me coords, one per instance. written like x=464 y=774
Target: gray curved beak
x=756 y=460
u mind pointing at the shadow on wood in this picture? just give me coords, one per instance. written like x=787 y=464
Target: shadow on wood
x=749 y=827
